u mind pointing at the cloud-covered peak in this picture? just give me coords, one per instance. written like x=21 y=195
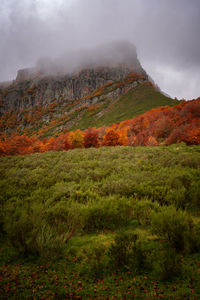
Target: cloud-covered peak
x=112 y=54
x=166 y=34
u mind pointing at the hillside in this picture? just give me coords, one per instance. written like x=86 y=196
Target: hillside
x=135 y=102
x=103 y=90
x=99 y=223
x=160 y=126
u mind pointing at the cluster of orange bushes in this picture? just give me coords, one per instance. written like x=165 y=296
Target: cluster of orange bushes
x=160 y=126
x=130 y=78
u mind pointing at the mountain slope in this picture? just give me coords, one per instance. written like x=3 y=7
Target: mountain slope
x=111 y=102
x=160 y=126
x=135 y=102
x=104 y=88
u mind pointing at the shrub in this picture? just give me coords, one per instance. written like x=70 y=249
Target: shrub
x=128 y=252
x=152 y=190
x=143 y=210
x=112 y=138
x=31 y=235
x=174 y=225
x=67 y=219
x=76 y=139
x=151 y=141
x=32 y=230
x=107 y=213
x=193 y=194
x=122 y=249
x=139 y=256
x=177 y=198
x=192 y=239
x=93 y=261
x=47 y=243
x=91 y=138
x=19 y=230
x=167 y=265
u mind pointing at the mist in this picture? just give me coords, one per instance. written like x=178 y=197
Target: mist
x=112 y=54
x=165 y=33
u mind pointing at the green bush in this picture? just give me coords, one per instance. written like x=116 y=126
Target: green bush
x=168 y=265
x=193 y=194
x=139 y=256
x=128 y=252
x=143 y=209
x=18 y=225
x=65 y=217
x=192 y=239
x=93 y=261
x=107 y=213
x=33 y=230
x=29 y=233
x=153 y=190
x=121 y=250
x=174 y=225
x=47 y=243
x=177 y=197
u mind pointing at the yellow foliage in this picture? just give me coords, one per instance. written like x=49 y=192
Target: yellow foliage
x=76 y=139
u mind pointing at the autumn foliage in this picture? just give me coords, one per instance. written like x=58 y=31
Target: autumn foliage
x=76 y=139
x=160 y=126
x=111 y=138
x=91 y=138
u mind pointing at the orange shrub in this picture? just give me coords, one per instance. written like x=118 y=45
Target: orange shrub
x=112 y=138
x=76 y=139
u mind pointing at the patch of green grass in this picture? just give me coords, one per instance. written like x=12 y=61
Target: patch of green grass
x=135 y=102
x=89 y=118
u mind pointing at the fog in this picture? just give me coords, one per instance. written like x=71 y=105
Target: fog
x=111 y=54
x=165 y=32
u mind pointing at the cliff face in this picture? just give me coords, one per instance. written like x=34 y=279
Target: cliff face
x=31 y=89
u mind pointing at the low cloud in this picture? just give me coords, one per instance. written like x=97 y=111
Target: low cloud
x=166 y=34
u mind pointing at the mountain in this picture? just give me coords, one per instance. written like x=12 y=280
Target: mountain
x=79 y=90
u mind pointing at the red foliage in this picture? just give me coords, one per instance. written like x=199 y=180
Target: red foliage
x=191 y=135
x=151 y=141
x=59 y=143
x=139 y=139
x=112 y=138
x=16 y=145
x=163 y=127
x=91 y=138
x=175 y=136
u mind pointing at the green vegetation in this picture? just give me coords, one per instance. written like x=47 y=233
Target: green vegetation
x=137 y=101
x=98 y=223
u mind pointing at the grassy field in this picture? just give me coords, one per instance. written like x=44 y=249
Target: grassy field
x=108 y=223
x=135 y=102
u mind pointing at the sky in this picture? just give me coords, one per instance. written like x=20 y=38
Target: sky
x=166 y=34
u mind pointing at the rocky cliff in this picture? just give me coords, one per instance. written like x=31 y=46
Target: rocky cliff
x=30 y=90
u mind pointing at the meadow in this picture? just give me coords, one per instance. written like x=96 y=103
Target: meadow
x=101 y=223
